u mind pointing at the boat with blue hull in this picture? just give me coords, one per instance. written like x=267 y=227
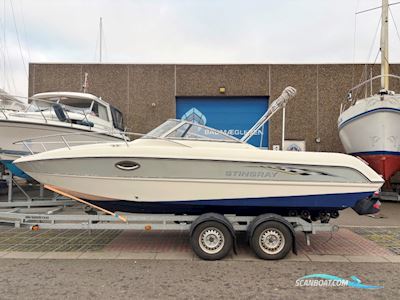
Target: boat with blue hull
x=182 y=167
x=310 y=205
x=186 y=168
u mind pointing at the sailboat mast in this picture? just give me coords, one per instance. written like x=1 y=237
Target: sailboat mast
x=4 y=43
x=385 y=46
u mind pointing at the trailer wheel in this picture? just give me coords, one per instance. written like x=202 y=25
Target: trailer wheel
x=211 y=240
x=271 y=240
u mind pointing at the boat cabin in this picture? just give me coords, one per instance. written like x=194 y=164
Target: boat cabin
x=77 y=108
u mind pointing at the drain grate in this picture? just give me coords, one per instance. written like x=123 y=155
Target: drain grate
x=17 y=239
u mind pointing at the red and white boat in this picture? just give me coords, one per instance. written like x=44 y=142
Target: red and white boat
x=369 y=127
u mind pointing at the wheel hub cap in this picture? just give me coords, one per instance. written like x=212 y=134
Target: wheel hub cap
x=211 y=240
x=272 y=241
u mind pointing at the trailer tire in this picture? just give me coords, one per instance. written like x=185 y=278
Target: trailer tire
x=271 y=240
x=211 y=240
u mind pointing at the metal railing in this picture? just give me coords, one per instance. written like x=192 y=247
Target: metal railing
x=353 y=93
x=11 y=105
x=33 y=106
x=64 y=140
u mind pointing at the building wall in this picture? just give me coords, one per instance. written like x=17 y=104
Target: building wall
x=146 y=93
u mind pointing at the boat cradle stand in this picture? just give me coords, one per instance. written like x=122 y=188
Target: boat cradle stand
x=212 y=236
x=28 y=200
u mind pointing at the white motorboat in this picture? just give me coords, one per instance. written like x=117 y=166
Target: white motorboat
x=369 y=126
x=51 y=114
x=182 y=167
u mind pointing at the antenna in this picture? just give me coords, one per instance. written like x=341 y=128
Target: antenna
x=101 y=39
x=85 y=82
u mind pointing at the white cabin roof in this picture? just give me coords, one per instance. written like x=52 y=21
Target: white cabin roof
x=65 y=96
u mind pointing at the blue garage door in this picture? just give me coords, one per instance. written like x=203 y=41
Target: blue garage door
x=233 y=115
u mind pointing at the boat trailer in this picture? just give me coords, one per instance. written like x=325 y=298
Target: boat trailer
x=212 y=236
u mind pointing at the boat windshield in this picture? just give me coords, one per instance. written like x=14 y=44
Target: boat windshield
x=69 y=104
x=180 y=129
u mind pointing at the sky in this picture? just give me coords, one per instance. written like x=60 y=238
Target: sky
x=188 y=31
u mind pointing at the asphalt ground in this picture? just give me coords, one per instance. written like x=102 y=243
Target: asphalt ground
x=173 y=279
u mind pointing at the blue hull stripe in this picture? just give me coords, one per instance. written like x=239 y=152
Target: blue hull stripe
x=327 y=200
x=254 y=206
x=376 y=153
x=368 y=112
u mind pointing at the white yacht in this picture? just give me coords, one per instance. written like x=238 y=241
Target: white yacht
x=53 y=113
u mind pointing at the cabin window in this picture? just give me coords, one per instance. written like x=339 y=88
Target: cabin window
x=100 y=111
x=37 y=105
x=73 y=103
x=118 y=119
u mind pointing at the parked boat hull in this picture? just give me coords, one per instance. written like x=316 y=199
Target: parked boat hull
x=170 y=179
x=371 y=130
x=245 y=206
x=386 y=164
x=162 y=176
x=12 y=131
x=236 y=197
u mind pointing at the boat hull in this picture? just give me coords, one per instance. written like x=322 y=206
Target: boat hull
x=12 y=131
x=371 y=130
x=159 y=176
x=384 y=163
x=314 y=204
x=236 y=197
x=15 y=171
x=169 y=180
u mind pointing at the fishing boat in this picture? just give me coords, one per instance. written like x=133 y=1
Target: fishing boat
x=369 y=127
x=188 y=168
x=51 y=114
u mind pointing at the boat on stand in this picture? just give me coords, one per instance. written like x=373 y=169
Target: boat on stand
x=369 y=127
x=51 y=114
x=187 y=168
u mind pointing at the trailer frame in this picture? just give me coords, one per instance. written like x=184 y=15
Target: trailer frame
x=52 y=219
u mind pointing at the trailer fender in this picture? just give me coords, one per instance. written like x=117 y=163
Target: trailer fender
x=217 y=218
x=271 y=217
